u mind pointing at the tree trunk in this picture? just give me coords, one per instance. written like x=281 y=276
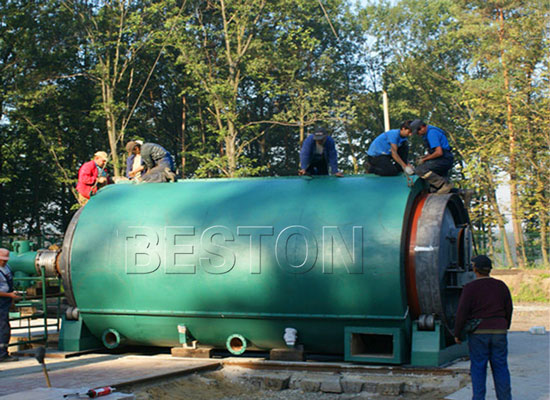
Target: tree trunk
x=111 y=125
x=491 y=196
x=514 y=197
x=544 y=239
x=302 y=127
x=490 y=243
x=352 y=153
x=230 y=151
x=183 y=122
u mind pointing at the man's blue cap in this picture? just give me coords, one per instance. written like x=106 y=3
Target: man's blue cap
x=416 y=124
x=482 y=263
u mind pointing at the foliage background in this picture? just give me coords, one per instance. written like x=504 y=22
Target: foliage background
x=232 y=87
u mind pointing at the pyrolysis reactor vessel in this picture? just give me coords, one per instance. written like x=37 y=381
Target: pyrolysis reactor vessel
x=363 y=266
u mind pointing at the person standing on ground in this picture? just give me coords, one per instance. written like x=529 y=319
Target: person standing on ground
x=388 y=153
x=7 y=295
x=488 y=300
x=92 y=175
x=318 y=153
x=434 y=166
x=155 y=159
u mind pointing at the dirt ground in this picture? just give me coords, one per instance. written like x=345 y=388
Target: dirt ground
x=527 y=315
x=525 y=284
x=229 y=384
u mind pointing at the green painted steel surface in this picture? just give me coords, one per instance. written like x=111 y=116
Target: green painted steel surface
x=432 y=348
x=23 y=262
x=243 y=256
x=22 y=259
x=75 y=336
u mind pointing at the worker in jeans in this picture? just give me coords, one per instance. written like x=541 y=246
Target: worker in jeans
x=7 y=295
x=156 y=162
x=487 y=302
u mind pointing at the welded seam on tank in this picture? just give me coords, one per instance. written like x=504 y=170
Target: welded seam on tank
x=219 y=314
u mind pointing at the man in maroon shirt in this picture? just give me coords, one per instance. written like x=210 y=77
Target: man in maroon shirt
x=488 y=300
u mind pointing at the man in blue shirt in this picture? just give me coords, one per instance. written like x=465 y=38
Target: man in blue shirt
x=7 y=295
x=388 y=153
x=434 y=166
x=317 y=153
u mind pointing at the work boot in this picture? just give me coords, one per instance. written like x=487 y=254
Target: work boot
x=170 y=176
x=438 y=184
x=445 y=188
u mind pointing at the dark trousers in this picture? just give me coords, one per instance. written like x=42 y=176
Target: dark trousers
x=440 y=166
x=492 y=348
x=156 y=174
x=385 y=165
x=435 y=171
x=4 y=326
x=318 y=165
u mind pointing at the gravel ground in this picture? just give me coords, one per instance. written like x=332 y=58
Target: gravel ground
x=235 y=384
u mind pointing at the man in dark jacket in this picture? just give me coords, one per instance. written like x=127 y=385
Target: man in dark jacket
x=317 y=154
x=488 y=300
x=157 y=161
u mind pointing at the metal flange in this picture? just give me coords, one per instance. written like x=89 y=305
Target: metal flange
x=65 y=258
x=46 y=259
x=438 y=256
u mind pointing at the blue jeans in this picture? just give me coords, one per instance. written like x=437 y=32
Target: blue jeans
x=156 y=174
x=491 y=348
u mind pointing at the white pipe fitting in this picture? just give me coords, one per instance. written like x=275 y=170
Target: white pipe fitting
x=290 y=336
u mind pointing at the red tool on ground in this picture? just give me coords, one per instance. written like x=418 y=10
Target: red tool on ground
x=101 y=391
x=92 y=393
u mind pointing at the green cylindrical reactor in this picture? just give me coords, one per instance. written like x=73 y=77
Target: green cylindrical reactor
x=329 y=257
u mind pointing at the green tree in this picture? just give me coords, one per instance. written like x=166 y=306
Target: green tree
x=116 y=35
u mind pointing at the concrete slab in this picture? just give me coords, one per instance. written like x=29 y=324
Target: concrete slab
x=529 y=363
x=57 y=394
x=95 y=371
x=54 y=353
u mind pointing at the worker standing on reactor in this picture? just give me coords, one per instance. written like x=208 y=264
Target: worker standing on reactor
x=156 y=161
x=388 y=153
x=7 y=295
x=487 y=302
x=133 y=163
x=318 y=153
x=434 y=166
x=91 y=176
